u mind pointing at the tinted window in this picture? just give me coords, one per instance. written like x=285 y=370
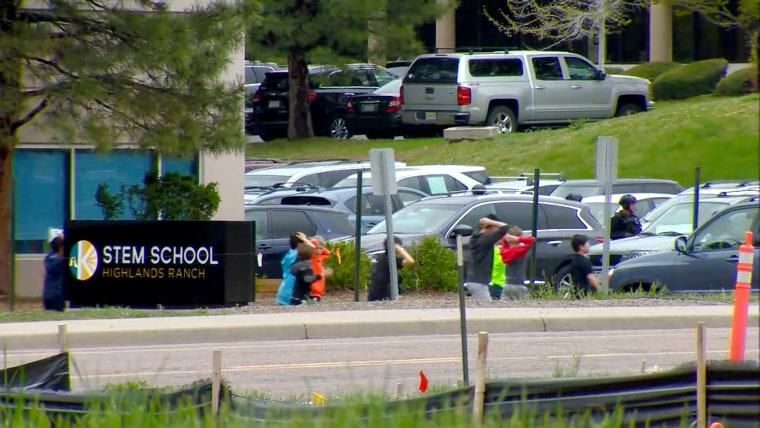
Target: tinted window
x=350 y=78
x=481 y=177
x=433 y=70
x=579 y=69
x=475 y=214
x=371 y=204
x=285 y=222
x=262 y=226
x=627 y=188
x=584 y=190
x=547 y=68
x=276 y=82
x=727 y=231
x=504 y=67
x=561 y=217
x=335 y=224
x=250 y=76
x=518 y=213
x=331 y=178
x=412 y=183
x=261 y=72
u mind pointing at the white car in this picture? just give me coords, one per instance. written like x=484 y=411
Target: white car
x=645 y=202
x=431 y=179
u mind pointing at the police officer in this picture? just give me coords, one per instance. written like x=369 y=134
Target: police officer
x=625 y=223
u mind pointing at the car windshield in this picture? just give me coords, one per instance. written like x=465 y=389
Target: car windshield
x=419 y=218
x=583 y=190
x=261 y=180
x=679 y=218
x=391 y=88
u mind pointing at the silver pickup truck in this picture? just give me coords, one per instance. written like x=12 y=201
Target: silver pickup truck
x=509 y=89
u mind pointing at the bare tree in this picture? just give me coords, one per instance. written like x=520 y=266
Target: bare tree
x=564 y=21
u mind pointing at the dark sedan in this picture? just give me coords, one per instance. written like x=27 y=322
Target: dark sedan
x=377 y=114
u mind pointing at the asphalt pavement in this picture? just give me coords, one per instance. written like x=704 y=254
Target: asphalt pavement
x=297 y=325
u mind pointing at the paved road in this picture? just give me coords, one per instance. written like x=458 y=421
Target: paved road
x=297 y=367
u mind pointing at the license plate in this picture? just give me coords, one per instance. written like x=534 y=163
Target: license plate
x=274 y=104
x=430 y=115
x=368 y=108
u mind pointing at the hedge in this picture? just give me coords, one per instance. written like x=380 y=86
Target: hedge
x=738 y=83
x=690 y=80
x=651 y=70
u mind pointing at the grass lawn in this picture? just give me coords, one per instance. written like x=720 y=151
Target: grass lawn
x=720 y=135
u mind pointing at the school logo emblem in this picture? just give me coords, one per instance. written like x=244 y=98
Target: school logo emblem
x=83 y=260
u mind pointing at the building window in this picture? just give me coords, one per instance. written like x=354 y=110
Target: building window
x=41 y=196
x=116 y=168
x=188 y=166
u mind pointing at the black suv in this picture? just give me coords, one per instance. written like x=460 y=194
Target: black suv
x=275 y=223
x=329 y=89
x=703 y=262
x=558 y=221
x=583 y=188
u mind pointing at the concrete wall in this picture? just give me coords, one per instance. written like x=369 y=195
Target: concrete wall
x=225 y=169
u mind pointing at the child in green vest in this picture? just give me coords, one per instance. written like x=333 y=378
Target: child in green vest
x=498 y=273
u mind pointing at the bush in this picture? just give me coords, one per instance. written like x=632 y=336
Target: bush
x=690 y=80
x=651 y=70
x=343 y=267
x=435 y=268
x=740 y=82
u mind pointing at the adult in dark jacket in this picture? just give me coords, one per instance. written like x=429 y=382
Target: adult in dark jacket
x=53 y=294
x=489 y=232
x=625 y=223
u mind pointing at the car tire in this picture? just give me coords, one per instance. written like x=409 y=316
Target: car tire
x=337 y=128
x=628 y=109
x=563 y=283
x=503 y=118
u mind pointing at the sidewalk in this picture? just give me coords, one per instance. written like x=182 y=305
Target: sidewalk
x=348 y=324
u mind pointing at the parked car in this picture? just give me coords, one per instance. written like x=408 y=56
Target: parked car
x=324 y=173
x=509 y=89
x=703 y=262
x=645 y=202
x=431 y=179
x=524 y=184
x=660 y=234
x=585 y=188
x=558 y=221
x=343 y=199
x=377 y=114
x=275 y=223
x=255 y=72
x=329 y=91
x=709 y=189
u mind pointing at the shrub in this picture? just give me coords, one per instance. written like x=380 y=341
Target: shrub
x=651 y=70
x=690 y=80
x=343 y=267
x=435 y=268
x=740 y=82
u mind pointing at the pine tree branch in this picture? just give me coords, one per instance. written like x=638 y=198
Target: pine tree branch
x=31 y=114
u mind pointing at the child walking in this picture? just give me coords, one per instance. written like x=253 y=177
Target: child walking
x=285 y=290
x=304 y=275
x=513 y=254
x=321 y=253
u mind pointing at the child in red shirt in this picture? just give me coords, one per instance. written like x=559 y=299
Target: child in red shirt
x=514 y=256
x=318 y=266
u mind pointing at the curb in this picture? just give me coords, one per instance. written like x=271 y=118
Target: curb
x=355 y=324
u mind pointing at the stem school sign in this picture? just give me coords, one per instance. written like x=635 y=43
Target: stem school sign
x=150 y=263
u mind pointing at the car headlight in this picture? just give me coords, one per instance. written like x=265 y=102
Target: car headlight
x=634 y=254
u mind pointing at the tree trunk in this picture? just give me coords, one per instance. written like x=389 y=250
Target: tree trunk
x=299 y=114
x=10 y=97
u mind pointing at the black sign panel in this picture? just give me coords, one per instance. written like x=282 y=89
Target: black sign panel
x=150 y=263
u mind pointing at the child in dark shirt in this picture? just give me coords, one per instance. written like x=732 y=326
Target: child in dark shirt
x=304 y=275
x=584 y=280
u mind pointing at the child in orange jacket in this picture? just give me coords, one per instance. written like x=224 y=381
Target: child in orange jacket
x=318 y=266
x=514 y=255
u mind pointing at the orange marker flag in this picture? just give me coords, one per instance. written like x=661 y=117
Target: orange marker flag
x=337 y=254
x=423 y=382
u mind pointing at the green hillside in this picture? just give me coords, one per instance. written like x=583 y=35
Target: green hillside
x=721 y=135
